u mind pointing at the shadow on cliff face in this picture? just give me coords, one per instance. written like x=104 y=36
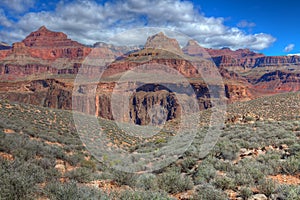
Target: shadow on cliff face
x=153 y=104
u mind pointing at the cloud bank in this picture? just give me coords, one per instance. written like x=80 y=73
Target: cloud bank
x=17 y=6
x=89 y=22
x=289 y=48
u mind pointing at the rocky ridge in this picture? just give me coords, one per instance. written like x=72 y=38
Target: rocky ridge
x=244 y=58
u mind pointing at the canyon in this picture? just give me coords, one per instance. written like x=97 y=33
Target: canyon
x=42 y=68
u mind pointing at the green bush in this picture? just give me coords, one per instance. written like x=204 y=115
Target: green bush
x=226 y=150
x=173 y=182
x=147 y=182
x=242 y=178
x=71 y=191
x=245 y=192
x=205 y=173
x=187 y=164
x=294 y=149
x=269 y=163
x=81 y=175
x=123 y=178
x=288 y=192
x=75 y=159
x=52 y=174
x=224 y=182
x=19 y=179
x=90 y=164
x=140 y=195
x=224 y=166
x=46 y=163
x=291 y=165
x=267 y=187
x=208 y=192
x=255 y=172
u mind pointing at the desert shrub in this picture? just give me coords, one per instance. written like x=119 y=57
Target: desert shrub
x=47 y=151
x=244 y=144
x=81 y=175
x=123 y=178
x=75 y=159
x=287 y=141
x=240 y=179
x=187 y=164
x=256 y=174
x=172 y=181
x=53 y=151
x=19 y=179
x=224 y=166
x=224 y=182
x=46 y=163
x=52 y=174
x=90 y=164
x=254 y=170
x=288 y=192
x=192 y=151
x=291 y=165
x=205 y=173
x=226 y=150
x=269 y=163
x=22 y=153
x=245 y=192
x=267 y=187
x=249 y=119
x=71 y=190
x=295 y=149
x=208 y=192
x=140 y=195
x=147 y=182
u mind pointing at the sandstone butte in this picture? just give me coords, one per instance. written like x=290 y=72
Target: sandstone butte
x=47 y=45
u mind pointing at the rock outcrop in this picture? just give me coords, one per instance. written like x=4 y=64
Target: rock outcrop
x=54 y=93
x=279 y=81
x=48 y=45
x=248 y=59
x=4 y=46
x=161 y=41
x=245 y=58
x=192 y=48
x=277 y=61
x=49 y=39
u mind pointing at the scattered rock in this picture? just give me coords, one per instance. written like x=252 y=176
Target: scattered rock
x=8 y=131
x=258 y=197
x=6 y=156
x=61 y=168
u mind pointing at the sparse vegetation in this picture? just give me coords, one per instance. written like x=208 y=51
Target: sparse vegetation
x=40 y=157
x=172 y=181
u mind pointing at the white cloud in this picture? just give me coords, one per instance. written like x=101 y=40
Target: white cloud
x=89 y=22
x=246 y=24
x=289 y=48
x=3 y=19
x=294 y=54
x=17 y=6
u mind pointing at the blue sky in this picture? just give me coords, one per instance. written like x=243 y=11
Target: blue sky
x=267 y=26
x=276 y=17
